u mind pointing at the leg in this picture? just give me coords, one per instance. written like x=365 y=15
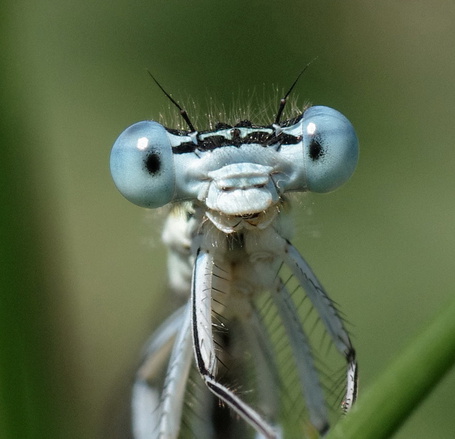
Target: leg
x=175 y=381
x=201 y=310
x=329 y=315
x=155 y=415
x=267 y=372
x=301 y=349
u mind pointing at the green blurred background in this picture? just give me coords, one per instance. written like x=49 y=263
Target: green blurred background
x=84 y=271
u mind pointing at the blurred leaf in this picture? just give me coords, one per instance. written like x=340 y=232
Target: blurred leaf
x=31 y=398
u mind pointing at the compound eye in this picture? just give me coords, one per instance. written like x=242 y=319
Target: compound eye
x=142 y=165
x=331 y=149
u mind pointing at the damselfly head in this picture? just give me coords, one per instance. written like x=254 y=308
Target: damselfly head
x=241 y=170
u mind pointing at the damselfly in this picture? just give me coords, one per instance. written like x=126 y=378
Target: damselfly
x=243 y=342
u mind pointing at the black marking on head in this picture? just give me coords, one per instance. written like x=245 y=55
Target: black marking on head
x=244 y=124
x=152 y=163
x=235 y=134
x=290 y=122
x=316 y=149
x=222 y=126
x=215 y=140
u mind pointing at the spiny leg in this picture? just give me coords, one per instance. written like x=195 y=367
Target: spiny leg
x=329 y=316
x=264 y=363
x=154 y=415
x=176 y=380
x=201 y=303
x=301 y=349
x=266 y=368
x=146 y=397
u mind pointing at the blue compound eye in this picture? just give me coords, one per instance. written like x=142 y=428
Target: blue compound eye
x=142 y=165
x=331 y=149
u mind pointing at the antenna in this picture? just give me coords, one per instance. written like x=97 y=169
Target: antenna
x=183 y=112
x=285 y=98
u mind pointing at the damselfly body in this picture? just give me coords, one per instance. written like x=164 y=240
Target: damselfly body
x=239 y=359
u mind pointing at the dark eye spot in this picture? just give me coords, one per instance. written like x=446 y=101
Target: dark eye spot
x=152 y=163
x=316 y=150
